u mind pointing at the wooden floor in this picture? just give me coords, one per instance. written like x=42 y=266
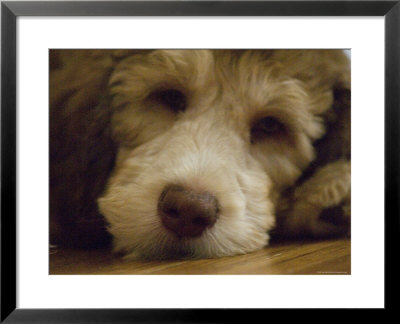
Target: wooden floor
x=323 y=257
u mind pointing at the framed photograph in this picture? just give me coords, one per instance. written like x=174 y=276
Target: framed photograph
x=185 y=136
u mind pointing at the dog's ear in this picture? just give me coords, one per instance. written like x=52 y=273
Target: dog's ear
x=81 y=148
x=336 y=143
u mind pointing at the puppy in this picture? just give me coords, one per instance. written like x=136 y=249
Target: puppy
x=198 y=153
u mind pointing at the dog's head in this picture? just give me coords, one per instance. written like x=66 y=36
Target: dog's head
x=207 y=142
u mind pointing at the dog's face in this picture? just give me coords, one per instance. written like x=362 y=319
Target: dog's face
x=207 y=141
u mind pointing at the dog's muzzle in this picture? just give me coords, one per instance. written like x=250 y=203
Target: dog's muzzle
x=185 y=212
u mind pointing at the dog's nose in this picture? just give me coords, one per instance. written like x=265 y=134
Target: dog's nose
x=186 y=212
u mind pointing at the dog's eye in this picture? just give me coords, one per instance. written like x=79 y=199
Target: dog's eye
x=265 y=127
x=173 y=99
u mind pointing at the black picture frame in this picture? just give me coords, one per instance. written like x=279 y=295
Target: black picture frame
x=390 y=10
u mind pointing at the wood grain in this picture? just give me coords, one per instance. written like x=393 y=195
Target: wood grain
x=325 y=257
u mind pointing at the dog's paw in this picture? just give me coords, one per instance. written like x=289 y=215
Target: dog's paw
x=321 y=206
x=328 y=187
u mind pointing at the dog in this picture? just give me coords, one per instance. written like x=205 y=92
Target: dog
x=198 y=153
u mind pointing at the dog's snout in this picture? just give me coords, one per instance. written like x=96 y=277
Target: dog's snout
x=186 y=212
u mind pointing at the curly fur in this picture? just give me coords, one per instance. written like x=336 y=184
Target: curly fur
x=113 y=142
